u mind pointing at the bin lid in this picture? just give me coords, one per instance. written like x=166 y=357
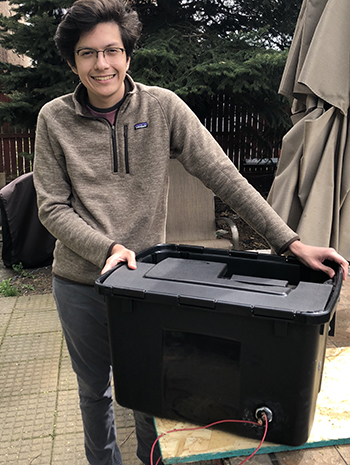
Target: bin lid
x=206 y=283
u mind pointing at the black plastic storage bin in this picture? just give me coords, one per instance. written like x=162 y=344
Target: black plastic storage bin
x=206 y=335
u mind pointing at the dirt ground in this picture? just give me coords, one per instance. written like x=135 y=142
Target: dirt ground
x=248 y=238
x=26 y=281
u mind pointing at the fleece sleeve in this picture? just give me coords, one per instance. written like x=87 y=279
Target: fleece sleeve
x=202 y=156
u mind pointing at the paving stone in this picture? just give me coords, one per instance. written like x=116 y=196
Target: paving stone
x=344 y=301
x=345 y=291
x=331 y=344
x=210 y=462
x=67 y=377
x=7 y=304
x=344 y=452
x=68 y=449
x=24 y=322
x=126 y=440
x=4 y=321
x=342 y=328
x=68 y=413
x=27 y=451
x=28 y=377
x=65 y=352
x=124 y=418
x=31 y=347
x=28 y=416
x=320 y=456
x=36 y=302
x=255 y=460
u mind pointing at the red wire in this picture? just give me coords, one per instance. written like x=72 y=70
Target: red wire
x=209 y=426
x=261 y=443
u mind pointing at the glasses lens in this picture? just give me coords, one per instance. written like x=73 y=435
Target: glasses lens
x=86 y=53
x=111 y=54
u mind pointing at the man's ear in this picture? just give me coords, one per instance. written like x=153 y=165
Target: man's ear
x=73 y=68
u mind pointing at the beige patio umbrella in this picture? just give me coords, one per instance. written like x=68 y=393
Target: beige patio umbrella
x=312 y=182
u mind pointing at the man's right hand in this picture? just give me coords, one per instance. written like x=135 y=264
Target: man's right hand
x=120 y=254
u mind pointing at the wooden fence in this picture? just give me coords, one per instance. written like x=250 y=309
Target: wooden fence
x=16 y=148
x=241 y=134
x=14 y=144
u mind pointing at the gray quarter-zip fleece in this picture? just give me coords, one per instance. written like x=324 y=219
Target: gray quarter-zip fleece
x=98 y=185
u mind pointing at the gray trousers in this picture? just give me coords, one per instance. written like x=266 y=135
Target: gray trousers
x=83 y=317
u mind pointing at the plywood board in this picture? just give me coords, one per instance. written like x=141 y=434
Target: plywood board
x=331 y=425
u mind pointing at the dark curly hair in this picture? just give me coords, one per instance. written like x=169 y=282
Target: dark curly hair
x=85 y=15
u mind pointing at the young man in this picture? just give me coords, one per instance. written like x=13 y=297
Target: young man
x=101 y=175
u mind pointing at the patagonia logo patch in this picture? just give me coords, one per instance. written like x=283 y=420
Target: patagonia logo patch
x=141 y=125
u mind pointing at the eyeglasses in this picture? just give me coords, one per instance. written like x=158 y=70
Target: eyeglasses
x=110 y=54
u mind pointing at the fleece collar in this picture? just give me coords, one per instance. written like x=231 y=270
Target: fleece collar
x=80 y=96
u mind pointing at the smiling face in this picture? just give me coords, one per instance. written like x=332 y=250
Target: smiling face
x=104 y=81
